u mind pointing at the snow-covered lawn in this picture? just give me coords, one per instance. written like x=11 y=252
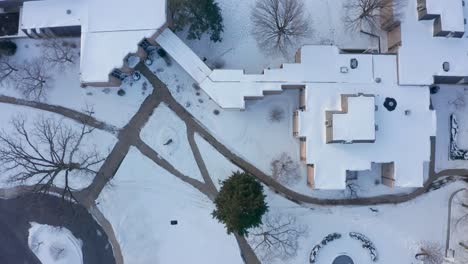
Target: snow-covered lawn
x=239 y=49
x=66 y=90
x=141 y=202
x=100 y=141
x=397 y=231
x=218 y=166
x=167 y=134
x=450 y=100
x=54 y=245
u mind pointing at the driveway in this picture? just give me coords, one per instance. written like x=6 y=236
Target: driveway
x=16 y=214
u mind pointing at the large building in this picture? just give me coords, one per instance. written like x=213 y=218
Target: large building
x=109 y=30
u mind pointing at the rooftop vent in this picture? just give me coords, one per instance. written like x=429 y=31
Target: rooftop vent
x=390 y=104
x=354 y=63
x=446 y=66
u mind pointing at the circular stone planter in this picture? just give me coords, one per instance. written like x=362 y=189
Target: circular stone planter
x=343 y=259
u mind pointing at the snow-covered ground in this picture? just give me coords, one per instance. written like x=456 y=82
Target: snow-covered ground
x=239 y=49
x=397 y=231
x=66 y=90
x=54 y=245
x=100 y=141
x=219 y=168
x=167 y=134
x=450 y=100
x=140 y=204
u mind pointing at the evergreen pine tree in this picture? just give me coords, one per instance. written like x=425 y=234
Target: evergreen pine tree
x=240 y=203
x=200 y=16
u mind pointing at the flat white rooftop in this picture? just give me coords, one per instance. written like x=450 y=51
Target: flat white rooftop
x=358 y=123
x=110 y=29
x=450 y=11
x=422 y=55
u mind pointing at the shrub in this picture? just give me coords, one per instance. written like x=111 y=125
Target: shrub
x=121 y=92
x=7 y=48
x=240 y=203
x=162 y=53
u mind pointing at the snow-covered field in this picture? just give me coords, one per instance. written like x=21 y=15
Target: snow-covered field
x=167 y=134
x=54 y=245
x=397 y=231
x=140 y=204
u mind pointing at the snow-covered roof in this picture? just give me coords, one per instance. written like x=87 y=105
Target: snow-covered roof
x=51 y=13
x=110 y=29
x=358 y=122
x=190 y=61
x=450 y=12
x=410 y=125
x=319 y=64
x=422 y=55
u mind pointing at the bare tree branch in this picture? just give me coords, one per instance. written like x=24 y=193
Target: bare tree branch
x=32 y=80
x=46 y=153
x=7 y=68
x=280 y=24
x=373 y=14
x=277 y=238
x=285 y=170
x=60 y=53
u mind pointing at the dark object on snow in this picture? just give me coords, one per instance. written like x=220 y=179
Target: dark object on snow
x=7 y=48
x=173 y=222
x=343 y=259
x=216 y=112
x=366 y=244
x=374 y=210
x=314 y=253
x=390 y=104
x=354 y=63
x=136 y=76
x=434 y=89
x=162 y=53
x=168 y=142
x=446 y=66
x=121 y=92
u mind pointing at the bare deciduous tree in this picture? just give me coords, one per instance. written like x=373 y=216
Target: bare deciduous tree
x=284 y=169
x=277 y=238
x=7 y=68
x=372 y=14
x=276 y=114
x=60 y=53
x=280 y=24
x=33 y=80
x=45 y=153
x=431 y=253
